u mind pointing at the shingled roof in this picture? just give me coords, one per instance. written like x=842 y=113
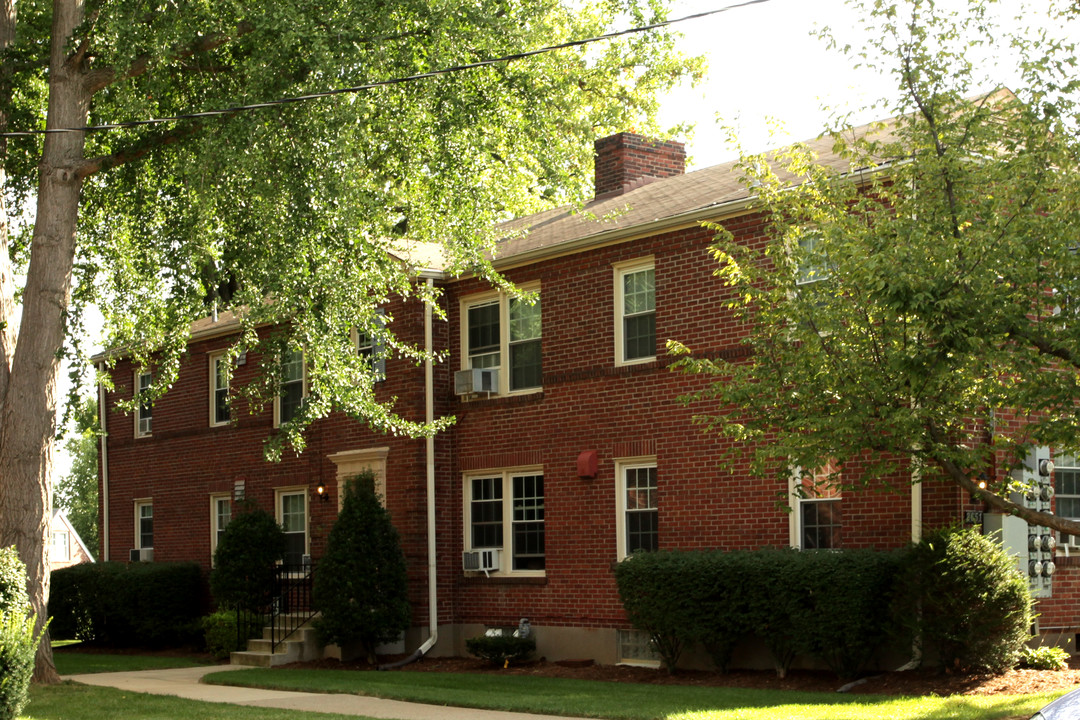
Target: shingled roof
x=658 y=206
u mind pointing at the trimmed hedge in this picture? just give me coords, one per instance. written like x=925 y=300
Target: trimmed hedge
x=136 y=605
x=832 y=606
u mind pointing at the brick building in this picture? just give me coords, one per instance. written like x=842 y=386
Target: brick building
x=570 y=448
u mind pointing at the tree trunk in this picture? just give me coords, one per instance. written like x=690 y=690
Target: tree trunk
x=28 y=418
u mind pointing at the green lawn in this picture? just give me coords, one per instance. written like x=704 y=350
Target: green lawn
x=71 y=701
x=73 y=663
x=620 y=701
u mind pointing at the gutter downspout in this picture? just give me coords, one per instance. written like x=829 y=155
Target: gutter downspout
x=429 y=417
x=916 y=536
x=104 y=454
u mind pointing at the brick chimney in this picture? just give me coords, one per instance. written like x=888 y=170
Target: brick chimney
x=625 y=161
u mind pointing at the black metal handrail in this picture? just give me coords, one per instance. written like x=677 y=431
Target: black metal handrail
x=286 y=610
x=291 y=608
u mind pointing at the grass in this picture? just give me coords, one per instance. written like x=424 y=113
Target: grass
x=621 y=701
x=74 y=663
x=71 y=700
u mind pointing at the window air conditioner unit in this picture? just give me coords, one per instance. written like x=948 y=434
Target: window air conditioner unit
x=480 y=560
x=476 y=380
x=142 y=555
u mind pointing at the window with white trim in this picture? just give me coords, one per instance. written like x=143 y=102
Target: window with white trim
x=220 y=516
x=292 y=515
x=817 y=511
x=144 y=411
x=635 y=312
x=1067 y=494
x=293 y=388
x=812 y=262
x=220 y=412
x=503 y=332
x=61 y=546
x=144 y=524
x=505 y=510
x=371 y=349
x=637 y=506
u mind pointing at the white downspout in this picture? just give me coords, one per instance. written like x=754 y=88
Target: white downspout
x=104 y=453
x=429 y=417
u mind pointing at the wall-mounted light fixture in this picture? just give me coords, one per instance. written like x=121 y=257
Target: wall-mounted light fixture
x=320 y=490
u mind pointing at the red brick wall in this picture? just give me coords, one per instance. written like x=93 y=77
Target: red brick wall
x=624 y=158
x=587 y=403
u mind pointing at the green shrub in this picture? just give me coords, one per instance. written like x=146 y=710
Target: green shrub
x=221 y=636
x=12 y=581
x=501 y=649
x=832 y=606
x=1045 y=657
x=361 y=582
x=966 y=599
x=838 y=614
x=658 y=591
x=18 y=645
x=136 y=605
x=245 y=560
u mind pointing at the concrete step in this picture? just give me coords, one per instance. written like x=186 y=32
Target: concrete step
x=301 y=646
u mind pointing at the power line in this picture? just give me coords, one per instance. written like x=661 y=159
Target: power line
x=381 y=83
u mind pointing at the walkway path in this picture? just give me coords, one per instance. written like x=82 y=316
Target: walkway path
x=186 y=683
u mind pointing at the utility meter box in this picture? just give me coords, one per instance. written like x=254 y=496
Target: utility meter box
x=1031 y=546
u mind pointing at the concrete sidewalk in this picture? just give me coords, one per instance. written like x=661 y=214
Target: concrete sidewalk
x=186 y=683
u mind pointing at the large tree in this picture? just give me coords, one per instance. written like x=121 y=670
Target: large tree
x=297 y=213
x=918 y=309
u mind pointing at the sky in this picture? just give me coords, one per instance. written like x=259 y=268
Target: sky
x=764 y=64
x=769 y=78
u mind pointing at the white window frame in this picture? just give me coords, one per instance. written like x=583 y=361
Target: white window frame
x=303 y=388
x=216 y=359
x=795 y=519
x=215 y=519
x=1065 y=463
x=65 y=556
x=140 y=430
x=504 y=300
x=279 y=510
x=621 y=510
x=139 y=505
x=808 y=273
x=506 y=476
x=621 y=270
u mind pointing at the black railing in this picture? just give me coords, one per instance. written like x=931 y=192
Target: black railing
x=286 y=610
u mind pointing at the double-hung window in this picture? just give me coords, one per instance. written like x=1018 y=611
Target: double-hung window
x=144 y=411
x=292 y=514
x=504 y=333
x=220 y=413
x=1067 y=494
x=637 y=506
x=371 y=349
x=817 y=511
x=505 y=510
x=220 y=516
x=144 y=524
x=635 y=312
x=61 y=546
x=812 y=260
x=293 y=386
